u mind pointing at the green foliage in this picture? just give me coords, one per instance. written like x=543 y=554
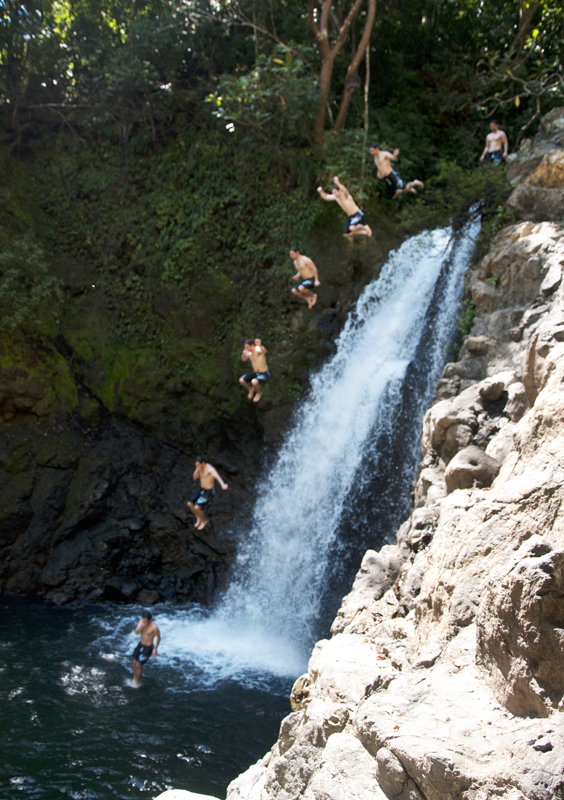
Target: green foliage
x=26 y=285
x=455 y=195
x=276 y=98
x=466 y=317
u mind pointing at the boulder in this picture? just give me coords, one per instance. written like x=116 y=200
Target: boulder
x=537 y=203
x=520 y=630
x=469 y=467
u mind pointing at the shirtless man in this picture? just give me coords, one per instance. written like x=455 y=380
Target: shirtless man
x=354 y=225
x=394 y=185
x=497 y=146
x=202 y=497
x=144 y=650
x=254 y=351
x=307 y=277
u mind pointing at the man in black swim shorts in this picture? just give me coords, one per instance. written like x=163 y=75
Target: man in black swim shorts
x=255 y=352
x=497 y=145
x=145 y=649
x=306 y=276
x=202 y=497
x=393 y=184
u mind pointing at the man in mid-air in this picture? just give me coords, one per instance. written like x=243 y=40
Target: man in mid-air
x=497 y=146
x=394 y=185
x=255 y=352
x=202 y=497
x=354 y=225
x=306 y=275
x=144 y=650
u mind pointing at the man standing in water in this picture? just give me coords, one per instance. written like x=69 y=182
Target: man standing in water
x=497 y=145
x=354 y=225
x=255 y=352
x=201 y=499
x=307 y=277
x=144 y=650
x=394 y=185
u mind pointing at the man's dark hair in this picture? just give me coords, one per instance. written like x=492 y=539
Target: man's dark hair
x=146 y=615
x=374 y=147
x=295 y=249
x=249 y=341
x=200 y=458
x=335 y=186
x=494 y=122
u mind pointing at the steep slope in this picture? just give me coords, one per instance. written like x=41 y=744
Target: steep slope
x=443 y=676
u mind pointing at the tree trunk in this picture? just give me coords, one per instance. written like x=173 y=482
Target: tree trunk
x=328 y=54
x=352 y=81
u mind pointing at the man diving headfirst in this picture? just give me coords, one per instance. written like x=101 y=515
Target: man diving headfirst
x=394 y=185
x=254 y=351
x=354 y=225
x=306 y=275
x=202 y=497
x=497 y=145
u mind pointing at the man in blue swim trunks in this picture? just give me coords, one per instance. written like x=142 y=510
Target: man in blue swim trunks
x=354 y=225
x=202 y=497
x=255 y=352
x=307 y=277
x=497 y=145
x=145 y=649
x=394 y=185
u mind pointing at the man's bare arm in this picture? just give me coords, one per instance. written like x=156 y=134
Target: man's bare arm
x=217 y=477
x=341 y=186
x=505 y=144
x=324 y=194
x=139 y=627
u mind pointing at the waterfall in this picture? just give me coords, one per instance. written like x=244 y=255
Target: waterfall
x=388 y=358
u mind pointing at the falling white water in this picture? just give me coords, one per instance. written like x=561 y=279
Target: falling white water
x=267 y=617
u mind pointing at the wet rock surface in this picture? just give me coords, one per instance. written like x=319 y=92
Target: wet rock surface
x=443 y=676
x=100 y=514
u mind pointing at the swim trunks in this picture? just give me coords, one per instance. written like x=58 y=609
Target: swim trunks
x=495 y=158
x=142 y=653
x=262 y=377
x=307 y=283
x=202 y=497
x=392 y=183
x=356 y=219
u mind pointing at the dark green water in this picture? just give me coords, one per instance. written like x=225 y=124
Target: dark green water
x=72 y=727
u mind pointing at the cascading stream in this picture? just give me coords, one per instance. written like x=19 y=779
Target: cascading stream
x=352 y=403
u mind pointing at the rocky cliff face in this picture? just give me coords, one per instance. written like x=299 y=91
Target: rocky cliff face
x=97 y=446
x=443 y=678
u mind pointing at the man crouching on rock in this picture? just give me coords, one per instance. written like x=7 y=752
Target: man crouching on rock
x=201 y=499
x=255 y=352
x=144 y=650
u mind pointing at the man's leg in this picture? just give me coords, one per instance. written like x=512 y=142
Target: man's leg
x=305 y=294
x=137 y=672
x=200 y=515
x=257 y=390
x=410 y=187
x=248 y=387
x=359 y=230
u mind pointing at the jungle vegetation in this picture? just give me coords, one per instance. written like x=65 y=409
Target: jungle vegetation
x=158 y=157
